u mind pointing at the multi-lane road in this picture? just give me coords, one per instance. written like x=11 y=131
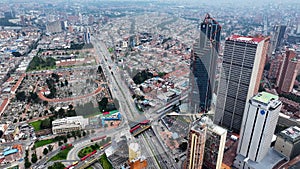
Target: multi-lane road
x=157 y=156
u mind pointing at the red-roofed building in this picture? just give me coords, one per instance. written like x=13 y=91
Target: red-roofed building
x=4 y=105
x=16 y=86
x=247 y=39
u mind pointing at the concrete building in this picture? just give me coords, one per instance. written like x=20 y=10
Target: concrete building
x=214 y=144
x=288 y=72
x=277 y=37
x=69 y=124
x=243 y=64
x=259 y=123
x=203 y=65
x=134 y=151
x=196 y=145
x=54 y=27
x=288 y=142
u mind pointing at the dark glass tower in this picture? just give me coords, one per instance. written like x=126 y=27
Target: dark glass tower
x=204 y=64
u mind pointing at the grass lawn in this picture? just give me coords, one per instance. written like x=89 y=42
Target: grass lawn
x=104 y=162
x=91 y=115
x=36 y=125
x=62 y=155
x=85 y=151
x=43 y=142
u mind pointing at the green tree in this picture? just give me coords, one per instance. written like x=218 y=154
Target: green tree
x=50 y=147
x=34 y=158
x=21 y=96
x=57 y=165
x=60 y=143
x=27 y=163
x=45 y=151
x=46 y=124
x=65 y=140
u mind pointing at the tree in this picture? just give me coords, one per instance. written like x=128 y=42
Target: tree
x=84 y=133
x=61 y=112
x=45 y=151
x=60 y=143
x=34 y=158
x=57 y=165
x=16 y=54
x=21 y=96
x=45 y=103
x=65 y=140
x=66 y=82
x=46 y=124
x=50 y=147
x=52 y=109
x=27 y=163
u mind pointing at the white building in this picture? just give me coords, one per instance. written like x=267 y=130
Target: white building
x=258 y=126
x=69 y=124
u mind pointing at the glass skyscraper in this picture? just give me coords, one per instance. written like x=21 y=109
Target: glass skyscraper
x=203 y=65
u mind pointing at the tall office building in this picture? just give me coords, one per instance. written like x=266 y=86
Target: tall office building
x=259 y=123
x=196 y=145
x=203 y=65
x=243 y=64
x=277 y=37
x=288 y=71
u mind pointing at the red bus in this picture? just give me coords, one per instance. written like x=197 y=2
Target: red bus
x=134 y=128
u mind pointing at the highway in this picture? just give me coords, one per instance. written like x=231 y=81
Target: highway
x=127 y=105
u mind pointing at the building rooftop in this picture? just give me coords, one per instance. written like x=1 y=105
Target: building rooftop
x=265 y=97
x=291 y=134
x=246 y=39
x=268 y=162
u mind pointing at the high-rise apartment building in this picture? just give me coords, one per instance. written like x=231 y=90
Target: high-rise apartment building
x=87 y=36
x=243 y=64
x=196 y=145
x=204 y=64
x=259 y=123
x=214 y=144
x=288 y=71
x=275 y=66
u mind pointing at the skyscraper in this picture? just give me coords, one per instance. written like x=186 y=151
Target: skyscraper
x=288 y=71
x=259 y=123
x=203 y=65
x=195 y=151
x=243 y=64
x=277 y=37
